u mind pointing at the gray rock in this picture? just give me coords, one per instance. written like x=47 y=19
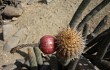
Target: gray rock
x=8 y=31
x=21 y=32
x=6 y=21
x=46 y=63
x=22 y=35
x=11 y=11
x=32 y=1
x=13 y=41
x=46 y=1
x=14 y=19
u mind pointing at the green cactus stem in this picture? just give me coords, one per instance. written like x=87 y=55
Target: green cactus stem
x=37 y=52
x=98 y=38
x=92 y=13
x=53 y=63
x=101 y=25
x=73 y=64
x=78 y=13
x=85 y=31
x=32 y=60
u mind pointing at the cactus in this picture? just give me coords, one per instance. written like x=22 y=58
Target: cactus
x=70 y=44
x=32 y=60
x=38 y=54
x=92 y=14
x=96 y=31
x=78 y=13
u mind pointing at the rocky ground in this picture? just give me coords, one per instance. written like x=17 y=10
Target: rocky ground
x=39 y=19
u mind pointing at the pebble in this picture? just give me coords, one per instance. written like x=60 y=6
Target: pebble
x=11 y=11
x=46 y=63
x=8 y=31
x=14 y=19
x=30 y=2
x=46 y=1
x=6 y=21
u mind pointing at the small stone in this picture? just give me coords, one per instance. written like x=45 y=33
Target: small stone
x=80 y=64
x=46 y=63
x=14 y=19
x=47 y=1
x=11 y=11
x=23 y=68
x=6 y=21
x=9 y=67
x=85 y=64
x=8 y=31
x=32 y=1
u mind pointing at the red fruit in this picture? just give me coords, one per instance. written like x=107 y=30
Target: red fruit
x=47 y=44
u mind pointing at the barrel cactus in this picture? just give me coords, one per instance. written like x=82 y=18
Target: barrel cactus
x=70 y=44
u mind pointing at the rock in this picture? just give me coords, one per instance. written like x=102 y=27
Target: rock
x=13 y=41
x=8 y=31
x=46 y=63
x=24 y=68
x=32 y=1
x=46 y=1
x=9 y=67
x=6 y=21
x=21 y=34
x=14 y=19
x=11 y=11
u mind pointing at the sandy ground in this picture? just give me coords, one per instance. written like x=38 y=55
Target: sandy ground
x=41 y=19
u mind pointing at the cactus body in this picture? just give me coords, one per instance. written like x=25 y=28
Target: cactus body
x=70 y=44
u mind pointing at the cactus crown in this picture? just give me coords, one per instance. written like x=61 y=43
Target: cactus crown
x=70 y=44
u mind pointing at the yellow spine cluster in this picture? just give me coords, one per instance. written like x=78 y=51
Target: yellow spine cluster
x=70 y=44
